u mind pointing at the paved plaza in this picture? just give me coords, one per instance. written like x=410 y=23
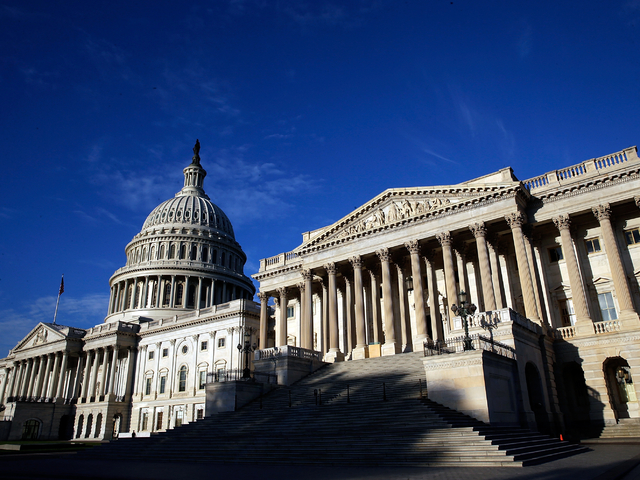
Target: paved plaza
x=603 y=462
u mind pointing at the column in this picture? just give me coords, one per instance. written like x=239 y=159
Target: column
x=449 y=273
x=160 y=292
x=325 y=318
x=76 y=382
x=103 y=375
x=172 y=300
x=496 y=275
x=185 y=291
x=7 y=371
x=348 y=313
x=128 y=379
x=63 y=373
x=42 y=391
x=376 y=309
x=515 y=221
x=213 y=293
x=116 y=302
x=134 y=293
x=527 y=238
x=463 y=278
x=401 y=307
x=620 y=283
x=334 y=354
x=139 y=369
x=94 y=376
x=112 y=374
x=584 y=323
x=54 y=376
x=145 y=293
x=12 y=384
x=390 y=346
x=38 y=387
x=418 y=294
x=307 y=339
x=199 y=295
x=32 y=377
x=480 y=232
x=361 y=351
x=434 y=303
x=264 y=319
x=281 y=325
x=87 y=371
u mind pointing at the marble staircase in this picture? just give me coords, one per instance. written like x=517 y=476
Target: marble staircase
x=366 y=412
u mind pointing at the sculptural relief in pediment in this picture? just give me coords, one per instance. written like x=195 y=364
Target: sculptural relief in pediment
x=40 y=335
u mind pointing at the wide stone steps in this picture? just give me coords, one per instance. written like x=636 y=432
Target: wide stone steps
x=358 y=428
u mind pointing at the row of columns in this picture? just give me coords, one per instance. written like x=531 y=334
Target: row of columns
x=106 y=388
x=39 y=378
x=157 y=291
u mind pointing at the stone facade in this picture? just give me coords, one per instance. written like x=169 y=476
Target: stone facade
x=177 y=310
x=552 y=264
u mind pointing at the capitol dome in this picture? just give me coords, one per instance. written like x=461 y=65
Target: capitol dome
x=184 y=258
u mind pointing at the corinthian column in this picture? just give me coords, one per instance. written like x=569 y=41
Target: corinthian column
x=361 y=351
x=480 y=232
x=307 y=321
x=281 y=333
x=449 y=271
x=63 y=374
x=584 y=323
x=515 y=221
x=264 y=319
x=334 y=354
x=418 y=295
x=391 y=346
x=627 y=312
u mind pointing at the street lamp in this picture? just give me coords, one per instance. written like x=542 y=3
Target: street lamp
x=464 y=310
x=247 y=349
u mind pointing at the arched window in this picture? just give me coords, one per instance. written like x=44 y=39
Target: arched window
x=183 y=252
x=222 y=259
x=161 y=252
x=172 y=251
x=194 y=252
x=152 y=253
x=182 y=379
x=80 y=425
x=144 y=254
x=205 y=254
x=214 y=256
x=178 y=296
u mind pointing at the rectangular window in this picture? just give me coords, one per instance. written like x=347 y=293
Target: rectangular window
x=632 y=236
x=199 y=414
x=555 y=254
x=165 y=352
x=607 y=307
x=147 y=388
x=203 y=379
x=221 y=342
x=290 y=312
x=179 y=415
x=145 y=421
x=159 y=421
x=567 y=312
x=204 y=345
x=163 y=383
x=593 y=245
x=151 y=355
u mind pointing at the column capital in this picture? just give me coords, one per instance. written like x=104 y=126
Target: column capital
x=384 y=255
x=356 y=262
x=516 y=219
x=172 y=342
x=282 y=291
x=300 y=287
x=263 y=296
x=478 y=229
x=637 y=200
x=602 y=211
x=562 y=222
x=330 y=268
x=413 y=246
x=307 y=274
x=444 y=239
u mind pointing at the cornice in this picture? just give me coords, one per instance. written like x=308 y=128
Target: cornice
x=196 y=322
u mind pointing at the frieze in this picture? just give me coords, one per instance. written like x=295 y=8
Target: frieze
x=429 y=365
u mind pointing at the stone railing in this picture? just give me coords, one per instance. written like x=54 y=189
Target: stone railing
x=493 y=318
x=607 y=327
x=286 y=351
x=593 y=166
x=287 y=258
x=565 y=332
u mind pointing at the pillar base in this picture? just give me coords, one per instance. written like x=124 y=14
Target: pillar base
x=391 y=348
x=584 y=328
x=629 y=319
x=418 y=343
x=333 y=356
x=360 y=352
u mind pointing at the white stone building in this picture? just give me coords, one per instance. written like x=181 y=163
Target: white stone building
x=177 y=310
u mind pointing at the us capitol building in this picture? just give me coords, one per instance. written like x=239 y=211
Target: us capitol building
x=552 y=264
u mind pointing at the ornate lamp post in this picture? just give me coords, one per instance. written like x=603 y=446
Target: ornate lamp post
x=465 y=310
x=247 y=349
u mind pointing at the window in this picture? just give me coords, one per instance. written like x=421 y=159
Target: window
x=179 y=416
x=205 y=254
x=194 y=252
x=593 y=245
x=151 y=355
x=159 y=421
x=567 y=312
x=182 y=380
x=607 y=306
x=147 y=388
x=203 y=379
x=555 y=254
x=204 y=345
x=179 y=290
x=163 y=383
x=199 y=414
x=145 y=420
x=185 y=349
x=632 y=236
x=165 y=352
x=221 y=342
x=290 y=312
x=183 y=252
x=172 y=251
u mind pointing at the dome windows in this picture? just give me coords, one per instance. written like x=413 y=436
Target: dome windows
x=205 y=254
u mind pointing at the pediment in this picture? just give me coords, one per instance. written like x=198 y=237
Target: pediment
x=41 y=334
x=401 y=205
x=601 y=281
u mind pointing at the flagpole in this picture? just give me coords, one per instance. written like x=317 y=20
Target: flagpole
x=55 y=315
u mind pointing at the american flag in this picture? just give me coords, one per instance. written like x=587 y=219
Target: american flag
x=61 y=291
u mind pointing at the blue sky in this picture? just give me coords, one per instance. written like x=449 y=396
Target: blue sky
x=305 y=110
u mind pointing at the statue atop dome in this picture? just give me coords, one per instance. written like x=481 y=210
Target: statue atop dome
x=196 y=153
